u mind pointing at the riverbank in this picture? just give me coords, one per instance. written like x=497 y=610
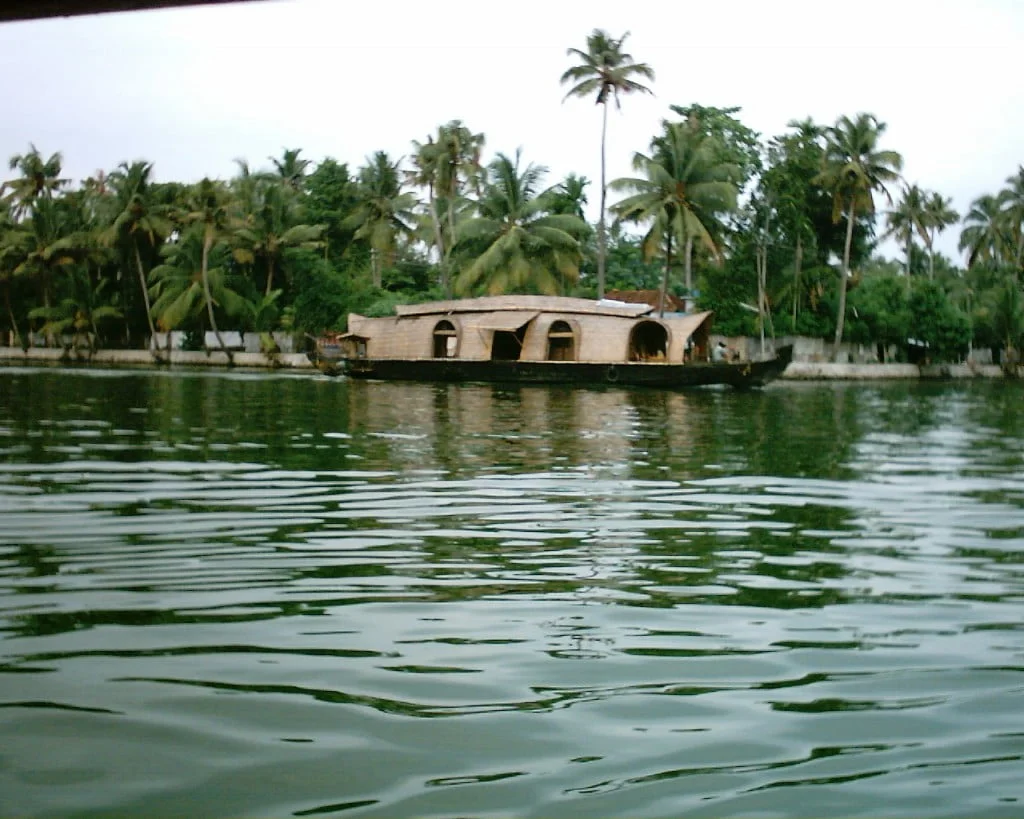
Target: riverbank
x=145 y=358
x=797 y=371
x=827 y=371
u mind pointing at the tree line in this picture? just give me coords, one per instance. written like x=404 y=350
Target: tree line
x=776 y=235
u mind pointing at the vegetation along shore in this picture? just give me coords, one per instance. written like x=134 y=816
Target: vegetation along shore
x=777 y=234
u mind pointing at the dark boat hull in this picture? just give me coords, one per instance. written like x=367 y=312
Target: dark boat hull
x=633 y=374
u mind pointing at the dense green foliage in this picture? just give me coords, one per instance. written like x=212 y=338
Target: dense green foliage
x=771 y=234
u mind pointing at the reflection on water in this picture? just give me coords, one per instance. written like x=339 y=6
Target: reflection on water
x=235 y=595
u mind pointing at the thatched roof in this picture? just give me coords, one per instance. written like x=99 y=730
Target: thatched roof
x=535 y=304
x=687 y=325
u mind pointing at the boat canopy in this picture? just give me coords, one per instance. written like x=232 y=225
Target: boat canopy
x=507 y=320
x=533 y=328
x=547 y=304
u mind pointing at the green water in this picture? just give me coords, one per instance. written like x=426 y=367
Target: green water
x=245 y=595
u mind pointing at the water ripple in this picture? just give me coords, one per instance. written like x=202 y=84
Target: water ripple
x=240 y=595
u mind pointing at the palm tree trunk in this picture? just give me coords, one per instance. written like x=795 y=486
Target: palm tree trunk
x=663 y=292
x=145 y=295
x=600 y=224
x=798 y=262
x=762 y=267
x=10 y=314
x=841 y=313
x=688 y=262
x=207 y=244
x=762 y=276
x=442 y=255
x=375 y=268
x=451 y=239
x=51 y=339
x=270 y=274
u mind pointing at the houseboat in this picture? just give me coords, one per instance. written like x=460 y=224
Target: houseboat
x=541 y=340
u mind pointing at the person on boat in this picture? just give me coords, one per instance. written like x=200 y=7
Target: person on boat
x=719 y=353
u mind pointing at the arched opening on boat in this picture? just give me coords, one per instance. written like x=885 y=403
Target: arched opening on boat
x=648 y=341
x=508 y=332
x=561 y=342
x=446 y=340
x=507 y=345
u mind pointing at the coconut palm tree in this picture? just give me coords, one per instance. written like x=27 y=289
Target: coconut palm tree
x=13 y=248
x=853 y=169
x=39 y=179
x=570 y=196
x=794 y=159
x=516 y=243
x=938 y=215
x=606 y=71
x=78 y=315
x=1008 y=315
x=1011 y=201
x=192 y=279
x=426 y=160
x=680 y=192
x=207 y=208
x=383 y=213
x=47 y=245
x=458 y=166
x=136 y=221
x=984 y=235
x=270 y=229
x=445 y=166
x=290 y=170
x=908 y=218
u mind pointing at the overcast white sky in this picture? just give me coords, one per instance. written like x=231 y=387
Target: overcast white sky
x=192 y=89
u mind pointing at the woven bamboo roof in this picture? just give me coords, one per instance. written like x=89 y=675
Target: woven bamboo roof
x=544 y=304
x=686 y=325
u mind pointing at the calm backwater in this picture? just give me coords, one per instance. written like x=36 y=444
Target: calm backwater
x=249 y=595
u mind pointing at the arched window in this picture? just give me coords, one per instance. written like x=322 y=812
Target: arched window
x=648 y=341
x=561 y=342
x=446 y=340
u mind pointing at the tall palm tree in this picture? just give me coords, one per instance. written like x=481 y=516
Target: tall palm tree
x=383 y=213
x=609 y=71
x=681 y=190
x=192 y=278
x=207 y=208
x=426 y=160
x=136 y=221
x=289 y=169
x=445 y=166
x=570 y=195
x=908 y=218
x=516 y=243
x=271 y=229
x=938 y=215
x=984 y=235
x=39 y=179
x=458 y=165
x=48 y=244
x=853 y=169
x=1008 y=314
x=1011 y=200
x=13 y=248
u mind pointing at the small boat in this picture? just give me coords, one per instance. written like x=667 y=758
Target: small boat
x=328 y=353
x=540 y=340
